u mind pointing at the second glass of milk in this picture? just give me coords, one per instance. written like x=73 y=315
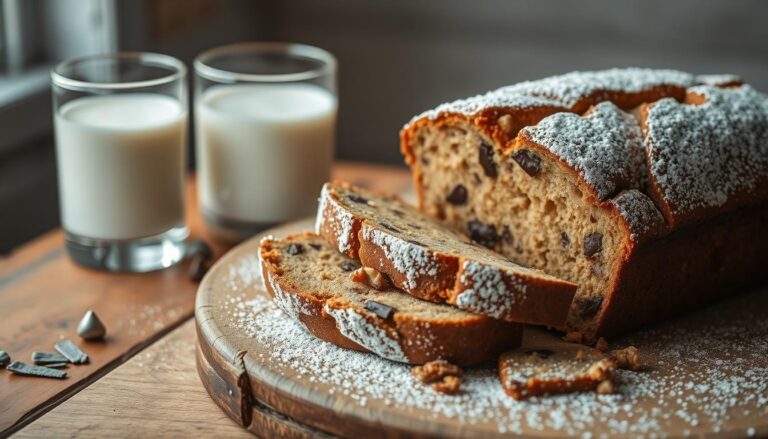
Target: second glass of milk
x=265 y=117
x=121 y=125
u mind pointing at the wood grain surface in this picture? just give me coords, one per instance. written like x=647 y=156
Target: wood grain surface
x=238 y=370
x=43 y=294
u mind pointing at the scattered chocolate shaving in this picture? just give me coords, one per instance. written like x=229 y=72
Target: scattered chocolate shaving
x=294 y=249
x=593 y=244
x=70 y=350
x=530 y=162
x=5 y=359
x=20 y=368
x=380 y=309
x=486 y=160
x=458 y=195
x=46 y=358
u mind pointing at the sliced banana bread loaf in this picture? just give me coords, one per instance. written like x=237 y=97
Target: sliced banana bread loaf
x=651 y=210
x=310 y=281
x=434 y=263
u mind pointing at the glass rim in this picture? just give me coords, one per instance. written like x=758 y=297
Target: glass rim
x=179 y=71
x=289 y=49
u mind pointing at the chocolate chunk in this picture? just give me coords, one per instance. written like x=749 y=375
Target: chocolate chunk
x=46 y=358
x=506 y=235
x=486 y=160
x=389 y=227
x=199 y=248
x=294 y=249
x=91 y=328
x=483 y=234
x=25 y=369
x=458 y=195
x=198 y=267
x=348 y=266
x=588 y=306
x=70 y=350
x=5 y=359
x=380 y=309
x=530 y=162
x=593 y=244
x=541 y=353
x=357 y=199
x=565 y=240
x=315 y=246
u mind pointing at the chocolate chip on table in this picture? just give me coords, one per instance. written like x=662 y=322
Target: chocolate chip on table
x=458 y=195
x=389 y=227
x=565 y=240
x=46 y=358
x=198 y=267
x=486 y=160
x=348 y=266
x=380 y=309
x=357 y=199
x=294 y=249
x=70 y=350
x=5 y=359
x=588 y=306
x=483 y=234
x=506 y=235
x=20 y=368
x=530 y=162
x=90 y=327
x=593 y=244
x=541 y=353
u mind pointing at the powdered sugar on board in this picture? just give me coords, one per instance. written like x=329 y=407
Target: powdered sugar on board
x=604 y=148
x=562 y=91
x=705 y=376
x=702 y=155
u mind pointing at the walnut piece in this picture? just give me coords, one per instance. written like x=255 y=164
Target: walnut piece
x=627 y=358
x=435 y=371
x=370 y=277
x=450 y=385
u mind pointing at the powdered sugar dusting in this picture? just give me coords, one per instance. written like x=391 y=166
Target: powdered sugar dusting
x=335 y=216
x=290 y=303
x=639 y=212
x=562 y=91
x=410 y=259
x=604 y=147
x=357 y=328
x=704 y=379
x=486 y=292
x=702 y=155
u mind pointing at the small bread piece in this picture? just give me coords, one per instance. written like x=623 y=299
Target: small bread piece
x=429 y=261
x=310 y=281
x=540 y=370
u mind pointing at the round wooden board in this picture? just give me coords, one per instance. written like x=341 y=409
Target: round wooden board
x=676 y=395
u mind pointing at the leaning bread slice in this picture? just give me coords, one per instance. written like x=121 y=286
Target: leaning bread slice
x=542 y=367
x=429 y=261
x=310 y=281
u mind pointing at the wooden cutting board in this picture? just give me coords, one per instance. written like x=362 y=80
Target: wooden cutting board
x=706 y=375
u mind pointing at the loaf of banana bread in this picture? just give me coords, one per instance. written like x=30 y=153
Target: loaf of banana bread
x=647 y=188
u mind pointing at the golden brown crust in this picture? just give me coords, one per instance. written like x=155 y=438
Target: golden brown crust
x=470 y=340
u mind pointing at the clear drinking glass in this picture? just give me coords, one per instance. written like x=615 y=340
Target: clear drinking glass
x=265 y=118
x=121 y=126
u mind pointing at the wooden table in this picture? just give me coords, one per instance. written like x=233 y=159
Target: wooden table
x=123 y=391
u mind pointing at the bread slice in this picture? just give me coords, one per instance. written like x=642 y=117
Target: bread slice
x=429 y=261
x=543 y=369
x=310 y=281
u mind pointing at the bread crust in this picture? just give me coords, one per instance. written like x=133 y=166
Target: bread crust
x=522 y=296
x=471 y=340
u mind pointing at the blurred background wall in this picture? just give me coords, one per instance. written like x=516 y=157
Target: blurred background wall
x=397 y=58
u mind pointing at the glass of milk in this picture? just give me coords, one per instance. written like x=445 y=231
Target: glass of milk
x=121 y=125
x=265 y=118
